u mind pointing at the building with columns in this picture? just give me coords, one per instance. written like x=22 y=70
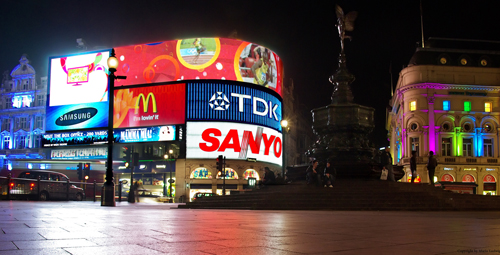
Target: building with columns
x=22 y=113
x=447 y=101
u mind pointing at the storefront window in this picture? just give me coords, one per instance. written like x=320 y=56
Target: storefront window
x=251 y=173
x=230 y=174
x=201 y=173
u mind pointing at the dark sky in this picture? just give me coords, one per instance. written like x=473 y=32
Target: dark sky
x=302 y=34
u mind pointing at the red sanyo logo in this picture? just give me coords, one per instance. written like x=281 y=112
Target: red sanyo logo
x=213 y=137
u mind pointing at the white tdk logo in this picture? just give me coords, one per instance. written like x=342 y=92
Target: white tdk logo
x=220 y=102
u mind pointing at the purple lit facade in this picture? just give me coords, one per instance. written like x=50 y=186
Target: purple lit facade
x=447 y=101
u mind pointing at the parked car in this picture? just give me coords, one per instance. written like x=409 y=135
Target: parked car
x=199 y=195
x=53 y=186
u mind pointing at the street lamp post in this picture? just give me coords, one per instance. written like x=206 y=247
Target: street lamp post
x=285 y=128
x=170 y=182
x=165 y=175
x=108 y=189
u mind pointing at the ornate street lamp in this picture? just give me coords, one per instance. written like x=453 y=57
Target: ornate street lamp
x=108 y=189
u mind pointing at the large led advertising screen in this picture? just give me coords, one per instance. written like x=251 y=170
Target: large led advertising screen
x=234 y=141
x=145 y=134
x=78 y=91
x=149 y=106
x=200 y=58
x=234 y=102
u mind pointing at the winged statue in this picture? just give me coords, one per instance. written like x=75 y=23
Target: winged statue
x=344 y=23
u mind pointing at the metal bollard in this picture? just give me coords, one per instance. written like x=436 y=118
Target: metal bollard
x=95 y=189
x=67 y=190
x=9 y=177
x=38 y=188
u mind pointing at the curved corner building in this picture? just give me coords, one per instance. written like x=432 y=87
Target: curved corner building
x=183 y=103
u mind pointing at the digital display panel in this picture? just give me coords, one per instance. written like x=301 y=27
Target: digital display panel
x=79 y=153
x=234 y=141
x=200 y=58
x=75 y=138
x=150 y=106
x=146 y=134
x=209 y=101
x=78 y=92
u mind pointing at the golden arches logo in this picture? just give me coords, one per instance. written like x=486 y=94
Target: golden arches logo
x=145 y=102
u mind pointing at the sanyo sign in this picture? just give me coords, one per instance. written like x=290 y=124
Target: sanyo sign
x=233 y=140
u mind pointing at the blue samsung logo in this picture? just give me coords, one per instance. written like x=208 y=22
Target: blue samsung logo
x=76 y=116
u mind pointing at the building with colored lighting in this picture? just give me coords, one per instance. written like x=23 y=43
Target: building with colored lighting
x=447 y=101
x=22 y=114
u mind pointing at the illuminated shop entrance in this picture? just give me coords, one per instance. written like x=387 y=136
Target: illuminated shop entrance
x=489 y=185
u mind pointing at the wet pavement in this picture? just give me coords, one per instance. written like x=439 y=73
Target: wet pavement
x=29 y=227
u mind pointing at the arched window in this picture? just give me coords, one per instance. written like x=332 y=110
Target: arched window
x=468 y=178
x=489 y=179
x=447 y=178
x=230 y=174
x=251 y=173
x=201 y=173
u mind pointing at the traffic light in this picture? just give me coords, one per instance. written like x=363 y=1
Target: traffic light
x=86 y=170
x=128 y=156
x=79 y=170
x=220 y=165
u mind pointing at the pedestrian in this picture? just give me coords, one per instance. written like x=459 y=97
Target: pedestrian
x=269 y=177
x=330 y=174
x=431 y=167
x=312 y=174
x=136 y=190
x=413 y=166
x=386 y=160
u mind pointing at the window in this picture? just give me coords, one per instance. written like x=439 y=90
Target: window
x=488 y=147
x=6 y=124
x=8 y=103
x=467 y=106
x=446 y=105
x=446 y=126
x=413 y=105
x=24 y=123
x=467 y=147
x=37 y=141
x=6 y=143
x=39 y=122
x=446 y=147
x=21 y=142
x=487 y=107
x=414 y=144
x=488 y=127
x=39 y=100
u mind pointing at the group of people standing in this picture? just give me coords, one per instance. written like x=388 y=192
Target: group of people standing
x=386 y=160
x=324 y=177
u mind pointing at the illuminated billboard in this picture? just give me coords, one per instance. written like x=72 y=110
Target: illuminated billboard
x=146 y=134
x=149 y=106
x=93 y=137
x=78 y=92
x=79 y=153
x=200 y=58
x=234 y=141
x=213 y=101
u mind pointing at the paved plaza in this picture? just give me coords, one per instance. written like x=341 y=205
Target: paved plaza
x=29 y=227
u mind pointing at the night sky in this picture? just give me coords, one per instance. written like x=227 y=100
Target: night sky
x=302 y=34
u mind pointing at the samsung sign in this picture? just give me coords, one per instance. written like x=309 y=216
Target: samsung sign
x=235 y=103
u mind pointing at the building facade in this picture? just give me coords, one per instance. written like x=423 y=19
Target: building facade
x=22 y=114
x=447 y=101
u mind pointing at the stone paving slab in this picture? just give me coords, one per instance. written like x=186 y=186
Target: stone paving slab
x=32 y=227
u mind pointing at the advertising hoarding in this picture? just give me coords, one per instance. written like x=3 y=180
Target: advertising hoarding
x=79 y=153
x=146 y=134
x=93 y=137
x=234 y=141
x=212 y=101
x=78 y=92
x=200 y=58
x=149 y=106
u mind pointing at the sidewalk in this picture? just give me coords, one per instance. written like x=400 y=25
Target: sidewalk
x=157 y=228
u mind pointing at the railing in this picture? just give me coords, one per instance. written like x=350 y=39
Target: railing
x=455 y=160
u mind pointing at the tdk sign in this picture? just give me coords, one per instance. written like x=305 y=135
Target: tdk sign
x=226 y=102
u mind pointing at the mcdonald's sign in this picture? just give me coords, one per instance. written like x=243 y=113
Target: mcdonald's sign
x=150 y=106
x=145 y=102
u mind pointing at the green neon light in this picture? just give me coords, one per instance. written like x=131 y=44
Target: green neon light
x=467 y=106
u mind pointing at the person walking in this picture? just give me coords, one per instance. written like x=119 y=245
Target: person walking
x=413 y=166
x=386 y=160
x=431 y=167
